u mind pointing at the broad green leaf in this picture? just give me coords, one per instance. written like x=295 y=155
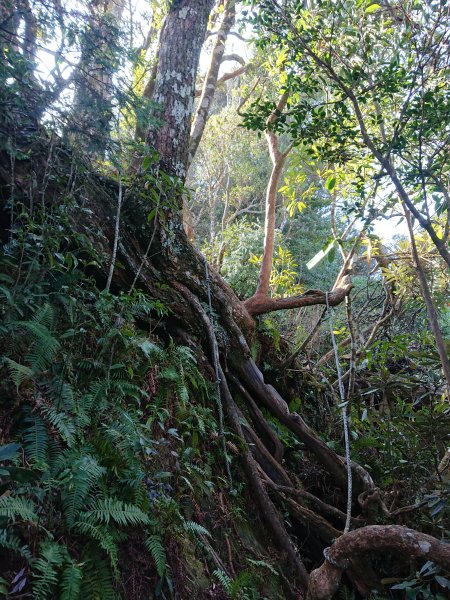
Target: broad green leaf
x=9 y=451
x=319 y=256
x=330 y=183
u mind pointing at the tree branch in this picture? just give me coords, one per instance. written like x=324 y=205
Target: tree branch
x=399 y=540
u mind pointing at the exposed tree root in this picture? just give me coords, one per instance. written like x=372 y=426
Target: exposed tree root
x=267 y=462
x=403 y=541
x=319 y=505
x=263 y=428
x=269 y=513
x=251 y=377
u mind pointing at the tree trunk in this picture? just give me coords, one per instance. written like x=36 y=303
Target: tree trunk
x=92 y=111
x=429 y=303
x=278 y=159
x=180 y=46
x=209 y=86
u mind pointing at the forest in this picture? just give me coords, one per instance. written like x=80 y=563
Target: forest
x=225 y=307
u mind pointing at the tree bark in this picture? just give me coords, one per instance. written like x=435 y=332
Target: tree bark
x=180 y=46
x=92 y=109
x=278 y=159
x=396 y=539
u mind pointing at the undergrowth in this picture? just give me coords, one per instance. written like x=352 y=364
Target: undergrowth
x=107 y=438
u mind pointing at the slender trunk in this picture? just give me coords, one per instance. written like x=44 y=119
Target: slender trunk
x=209 y=87
x=278 y=161
x=431 y=309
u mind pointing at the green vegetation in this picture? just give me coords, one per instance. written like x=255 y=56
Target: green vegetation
x=170 y=426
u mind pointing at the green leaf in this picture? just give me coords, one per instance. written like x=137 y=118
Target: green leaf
x=443 y=581
x=330 y=183
x=151 y=215
x=155 y=546
x=146 y=163
x=319 y=256
x=11 y=507
x=9 y=451
x=372 y=8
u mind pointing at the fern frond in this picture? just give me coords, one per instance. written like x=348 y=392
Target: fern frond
x=43 y=345
x=45 y=315
x=12 y=507
x=97 y=582
x=154 y=545
x=102 y=535
x=84 y=474
x=170 y=373
x=223 y=579
x=71 y=582
x=19 y=373
x=182 y=391
x=240 y=584
x=263 y=564
x=64 y=393
x=107 y=509
x=152 y=351
x=125 y=388
x=46 y=569
x=97 y=396
x=35 y=439
x=61 y=422
x=7 y=294
x=195 y=528
x=12 y=543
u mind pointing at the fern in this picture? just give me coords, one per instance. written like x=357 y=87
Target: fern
x=19 y=373
x=84 y=474
x=195 y=528
x=241 y=585
x=103 y=536
x=223 y=579
x=12 y=543
x=64 y=393
x=96 y=583
x=43 y=345
x=11 y=507
x=45 y=315
x=107 y=509
x=35 y=439
x=46 y=569
x=71 y=582
x=7 y=294
x=155 y=547
x=151 y=350
x=263 y=564
x=61 y=422
x=125 y=388
x=97 y=396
